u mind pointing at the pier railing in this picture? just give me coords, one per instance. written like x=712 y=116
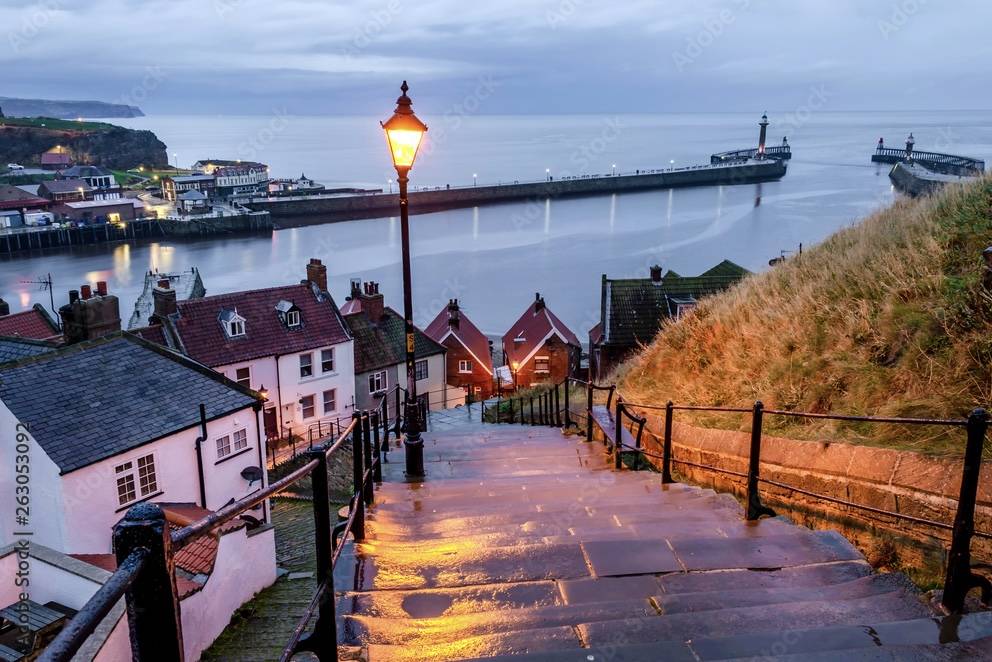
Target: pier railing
x=772 y=152
x=145 y=550
x=953 y=163
x=959 y=577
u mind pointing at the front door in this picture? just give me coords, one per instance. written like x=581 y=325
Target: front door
x=271 y=424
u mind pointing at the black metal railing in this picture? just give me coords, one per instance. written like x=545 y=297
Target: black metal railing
x=959 y=579
x=547 y=406
x=145 y=551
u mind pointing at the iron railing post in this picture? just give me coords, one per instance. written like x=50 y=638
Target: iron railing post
x=557 y=405
x=358 y=474
x=531 y=410
x=376 y=448
x=368 y=489
x=384 y=446
x=568 y=415
x=153 y=614
x=323 y=641
x=499 y=402
x=618 y=442
x=960 y=579
x=755 y=509
x=666 y=462
x=589 y=411
x=399 y=426
x=510 y=402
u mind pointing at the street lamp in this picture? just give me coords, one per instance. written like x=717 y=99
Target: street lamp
x=390 y=185
x=547 y=173
x=475 y=179
x=614 y=169
x=515 y=367
x=403 y=135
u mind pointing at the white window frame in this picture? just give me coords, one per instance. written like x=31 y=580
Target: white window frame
x=308 y=366
x=293 y=319
x=324 y=361
x=239 y=440
x=303 y=407
x=378 y=381
x=236 y=328
x=223 y=446
x=546 y=360
x=246 y=382
x=465 y=366
x=416 y=369
x=334 y=401
x=131 y=472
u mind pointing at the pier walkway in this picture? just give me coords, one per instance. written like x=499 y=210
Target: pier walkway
x=524 y=544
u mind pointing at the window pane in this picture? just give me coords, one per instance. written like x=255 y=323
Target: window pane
x=224 y=446
x=420 y=370
x=307 y=406
x=330 y=401
x=125 y=489
x=146 y=475
x=306 y=365
x=240 y=440
x=243 y=377
x=327 y=360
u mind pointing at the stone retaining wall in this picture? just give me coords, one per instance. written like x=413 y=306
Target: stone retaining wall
x=896 y=481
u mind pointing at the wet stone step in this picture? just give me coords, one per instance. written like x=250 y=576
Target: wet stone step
x=713 y=600
x=538 y=642
x=799 y=576
x=773 y=619
x=431 y=603
x=800 y=548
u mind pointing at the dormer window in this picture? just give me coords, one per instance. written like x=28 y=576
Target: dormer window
x=289 y=314
x=233 y=324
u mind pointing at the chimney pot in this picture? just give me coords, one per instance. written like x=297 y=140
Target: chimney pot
x=4 y=308
x=164 y=283
x=656 y=273
x=86 y=292
x=73 y=296
x=101 y=288
x=317 y=274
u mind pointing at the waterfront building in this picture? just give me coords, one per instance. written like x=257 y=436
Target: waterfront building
x=632 y=310
x=210 y=166
x=102 y=182
x=380 y=353
x=173 y=187
x=118 y=436
x=290 y=343
x=469 y=361
x=246 y=178
x=55 y=159
x=539 y=348
x=304 y=183
x=65 y=190
x=116 y=211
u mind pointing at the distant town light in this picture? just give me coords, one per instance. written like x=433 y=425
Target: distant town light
x=404 y=131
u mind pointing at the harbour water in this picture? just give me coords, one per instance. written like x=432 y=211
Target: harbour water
x=494 y=258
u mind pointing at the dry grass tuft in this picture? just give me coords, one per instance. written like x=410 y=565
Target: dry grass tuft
x=888 y=317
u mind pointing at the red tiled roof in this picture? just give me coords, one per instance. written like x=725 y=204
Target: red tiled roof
x=198 y=557
x=34 y=323
x=204 y=339
x=533 y=327
x=108 y=562
x=467 y=333
x=154 y=333
x=55 y=158
x=596 y=333
x=12 y=197
x=352 y=306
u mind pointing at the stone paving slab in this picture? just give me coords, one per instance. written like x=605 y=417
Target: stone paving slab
x=531 y=641
x=797 y=548
x=800 y=576
x=609 y=558
x=430 y=603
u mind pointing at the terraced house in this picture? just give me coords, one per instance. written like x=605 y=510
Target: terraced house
x=633 y=309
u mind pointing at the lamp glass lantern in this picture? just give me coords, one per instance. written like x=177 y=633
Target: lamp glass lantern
x=404 y=132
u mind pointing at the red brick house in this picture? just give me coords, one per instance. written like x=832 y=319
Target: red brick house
x=34 y=323
x=469 y=358
x=539 y=347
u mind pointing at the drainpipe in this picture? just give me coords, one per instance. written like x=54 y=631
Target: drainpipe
x=258 y=409
x=199 y=454
x=279 y=395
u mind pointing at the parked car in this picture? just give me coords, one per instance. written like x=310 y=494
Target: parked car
x=14 y=166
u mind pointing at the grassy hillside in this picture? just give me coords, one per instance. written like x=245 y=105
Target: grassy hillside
x=888 y=317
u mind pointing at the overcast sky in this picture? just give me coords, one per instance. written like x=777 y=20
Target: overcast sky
x=499 y=56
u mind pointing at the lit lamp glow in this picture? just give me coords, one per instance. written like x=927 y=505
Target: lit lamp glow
x=404 y=132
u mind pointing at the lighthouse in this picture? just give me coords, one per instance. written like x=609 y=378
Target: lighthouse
x=761 y=137
x=910 y=141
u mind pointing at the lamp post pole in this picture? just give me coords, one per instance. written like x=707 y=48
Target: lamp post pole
x=413 y=444
x=403 y=134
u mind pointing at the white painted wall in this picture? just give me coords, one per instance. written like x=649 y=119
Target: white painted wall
x=245 y=565
x=89 y=495
x=47 y=519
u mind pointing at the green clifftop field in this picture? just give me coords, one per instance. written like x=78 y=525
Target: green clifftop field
x=22 y=140
x=888 y=317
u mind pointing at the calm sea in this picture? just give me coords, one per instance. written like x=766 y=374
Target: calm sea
x=495 y=258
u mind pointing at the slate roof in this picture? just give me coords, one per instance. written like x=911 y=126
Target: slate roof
x=14 y=348
x=197 y=330
x=13 y=197
x=35 y=323
x=533 y=327
x=86 y=402
x=381 y=345
x=80 y=171
x=634 y=308
x=64 y=186
x=55 y=158
x=467 y=333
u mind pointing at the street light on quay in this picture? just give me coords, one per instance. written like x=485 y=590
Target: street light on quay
x=390 y=185
x=475 y=179
x=404 y=133
x=614 y=169
x=547 y=173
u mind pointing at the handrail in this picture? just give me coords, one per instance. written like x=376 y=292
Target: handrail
x=143 y=541
x=960 y=577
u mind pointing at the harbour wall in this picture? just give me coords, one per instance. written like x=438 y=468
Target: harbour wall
x=351 y=207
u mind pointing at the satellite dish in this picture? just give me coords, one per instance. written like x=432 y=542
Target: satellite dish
x=251 y=474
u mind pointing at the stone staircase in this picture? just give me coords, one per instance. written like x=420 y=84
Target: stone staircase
x=523 y=544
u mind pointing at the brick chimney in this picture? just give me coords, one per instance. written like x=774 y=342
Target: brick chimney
x=373 y=304
x=656 y=273
x=538 y=302
x=4 y=308
x=165 y=299
x=454 y=314
x=87 y=317
x=317 y=274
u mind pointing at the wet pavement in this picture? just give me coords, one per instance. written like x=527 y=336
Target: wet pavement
x=523 y=542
